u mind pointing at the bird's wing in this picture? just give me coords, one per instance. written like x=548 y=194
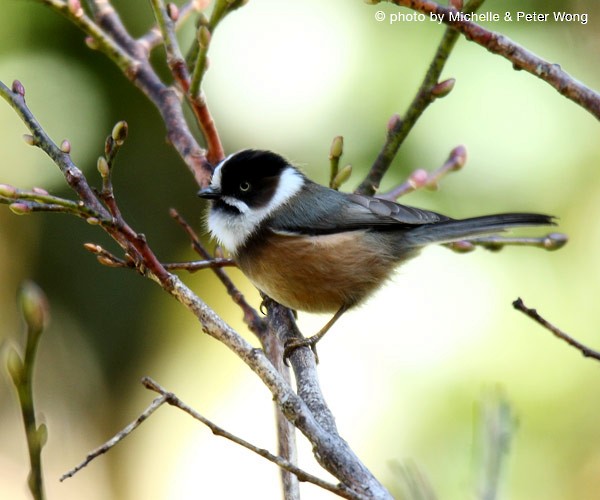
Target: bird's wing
x=341 y=212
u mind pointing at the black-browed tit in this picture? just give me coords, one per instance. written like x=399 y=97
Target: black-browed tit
x=315 y=249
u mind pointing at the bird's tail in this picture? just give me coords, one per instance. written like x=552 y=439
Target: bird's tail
x=456 y=230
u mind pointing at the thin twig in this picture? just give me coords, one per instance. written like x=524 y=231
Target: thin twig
x=520 y=57
x=154 y=37
x=430 y=90
x=494 y=243
x=122 y=434
x=251 y=317
x=534 y=315
x=329 y=449
x=175 y=59
x=132 y=59
x=302 y=475
x=420 y=178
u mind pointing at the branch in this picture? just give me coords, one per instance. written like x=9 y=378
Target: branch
x=495 y=243
x=330 y=450
x=420 y=178
x=122 y=434
x=251 y=317
x=132 y=58
x=302 y=475
x=520 y=57
x=34 y=307
x=430 y=89
x=534 y=315
x=154 y=37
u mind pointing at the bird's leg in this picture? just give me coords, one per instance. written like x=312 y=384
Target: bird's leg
x=311 y=342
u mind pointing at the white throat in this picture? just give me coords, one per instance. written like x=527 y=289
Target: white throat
x=233 y=230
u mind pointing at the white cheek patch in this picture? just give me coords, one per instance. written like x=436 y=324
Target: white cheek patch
x=215 y=182
x=234 y=202
x=233 y=230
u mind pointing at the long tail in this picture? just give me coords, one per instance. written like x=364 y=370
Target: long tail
x=455 y=230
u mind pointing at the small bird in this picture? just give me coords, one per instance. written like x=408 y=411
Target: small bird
x=315 y=249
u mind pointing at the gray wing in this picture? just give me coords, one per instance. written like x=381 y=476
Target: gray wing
x=320 y=210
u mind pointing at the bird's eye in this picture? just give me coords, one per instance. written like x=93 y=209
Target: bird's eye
x=245 y=186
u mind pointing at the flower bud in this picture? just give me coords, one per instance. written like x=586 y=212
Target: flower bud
x=75 y=8
x=20 y=208
x=65 y=146
x=337 y=147
x=91 y=42
x=172 y=11
x=204 y=37
x=554 y=241
x=8 y=191
x=17 y=88
x=342 y=176
x=103 y=167
x=34 y=306
x=394 y=122
x=119 y=132
x=442 y=89
x=29 y=139
x=14 y=364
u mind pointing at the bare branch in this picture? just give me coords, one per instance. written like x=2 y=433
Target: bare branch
x=251 y=317
x=534 y=315
x=302 y=475
x=122 y=434
x=420 y=178
x=494 y=243
x=154 y=37
x=429 y=91
x=520 y=57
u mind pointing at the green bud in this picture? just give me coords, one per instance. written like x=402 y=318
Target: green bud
x=119 y=132
x=34 y=306
x=103 y=167
x=337 y=147
x=342 y=176
x=91 y=42
x=93 y=221
x=14 y=365
x=204 y=37
x=42 y=435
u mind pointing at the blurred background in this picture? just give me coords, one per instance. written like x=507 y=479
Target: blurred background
x=405 y=374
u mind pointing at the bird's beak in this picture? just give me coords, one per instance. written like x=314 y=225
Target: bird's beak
x=209 y=193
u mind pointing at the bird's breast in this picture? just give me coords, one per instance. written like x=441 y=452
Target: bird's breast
x=316 y=273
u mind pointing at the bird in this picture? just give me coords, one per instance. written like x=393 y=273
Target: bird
x=315 y=249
